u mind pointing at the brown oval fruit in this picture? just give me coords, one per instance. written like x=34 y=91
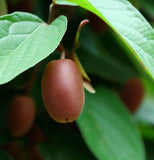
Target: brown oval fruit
x=132 y=94
x=21 y=115
x=62 y=90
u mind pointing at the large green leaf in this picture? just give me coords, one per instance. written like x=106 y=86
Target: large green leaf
x=108 y=128
x=25 y=40
x=128 y=23
x=3 y=7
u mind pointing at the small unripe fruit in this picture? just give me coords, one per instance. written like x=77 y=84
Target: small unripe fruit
x=62 y=90
x=21 y=115
x=132 y=94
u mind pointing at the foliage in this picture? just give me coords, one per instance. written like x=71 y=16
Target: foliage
x=121 y=49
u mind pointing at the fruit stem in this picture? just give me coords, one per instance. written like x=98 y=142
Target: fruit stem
x=63 y=53
x=76 y=42
x=50 y=17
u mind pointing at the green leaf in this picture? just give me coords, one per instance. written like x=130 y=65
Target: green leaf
x=4 y=155
x=108 y=128
x=25 y=40
x=61 y=2
x=129 y=24
x=3 y=7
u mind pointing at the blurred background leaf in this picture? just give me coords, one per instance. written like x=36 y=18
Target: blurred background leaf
x=64 y=142
x=108 y=128
x=106 y=60
x=147 y=6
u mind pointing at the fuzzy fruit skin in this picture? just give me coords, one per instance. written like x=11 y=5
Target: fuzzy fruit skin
x=132 y=94
x=62 y=90
x=21 y=115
